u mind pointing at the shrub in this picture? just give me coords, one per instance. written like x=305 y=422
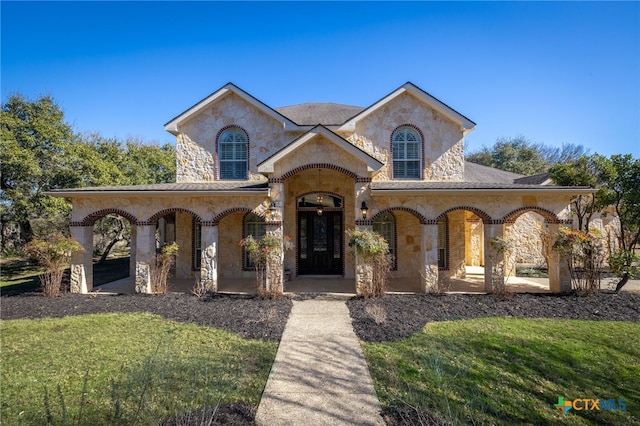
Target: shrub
x=266 y=253
x=377 y=313
x=372 y=251
x=501 y=249
x=54 y=253
x=160 y=271
x=585 y=256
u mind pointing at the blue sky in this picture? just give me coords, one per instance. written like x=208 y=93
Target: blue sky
x=559 y=72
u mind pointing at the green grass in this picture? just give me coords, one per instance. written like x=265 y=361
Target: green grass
x=511 y=371
x=123 y=369
x=19 y=274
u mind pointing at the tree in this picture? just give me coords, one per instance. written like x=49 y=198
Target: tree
x=520 y=155
x=580 y=172
x=517 y=155
x=34 y=138
x=40 y=152
x=620 y=188
x=616 y=181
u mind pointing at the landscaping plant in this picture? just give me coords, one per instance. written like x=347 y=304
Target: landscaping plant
x=160 y=271
x=267 y=255
x=54 y=254
x=584 y=253
x=372 y=253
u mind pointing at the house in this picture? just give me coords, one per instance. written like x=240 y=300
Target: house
x=311 y=172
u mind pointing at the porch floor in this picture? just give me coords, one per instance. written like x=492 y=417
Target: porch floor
x=473 y=283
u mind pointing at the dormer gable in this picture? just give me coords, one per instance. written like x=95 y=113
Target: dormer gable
x=466 y=125
x=173 y=126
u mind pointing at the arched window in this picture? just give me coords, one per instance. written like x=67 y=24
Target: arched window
x=406 y=145
x=255 y=226
x=233 y=147
x=385 y=225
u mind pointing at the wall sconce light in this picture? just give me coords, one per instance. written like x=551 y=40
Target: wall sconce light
x=271 y=211
x=364 y=210
x=319 y=210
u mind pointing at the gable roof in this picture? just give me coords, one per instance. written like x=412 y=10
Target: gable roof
x=466 y=124
x=267 y=166
x=327 y=114
x=478 y=173
x=173 y=125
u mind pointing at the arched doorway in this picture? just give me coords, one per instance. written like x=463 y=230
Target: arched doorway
x=320 y=230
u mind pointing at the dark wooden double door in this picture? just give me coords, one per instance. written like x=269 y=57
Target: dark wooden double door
x=320 y=243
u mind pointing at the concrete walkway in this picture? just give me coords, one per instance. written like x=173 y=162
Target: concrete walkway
x=319 y=376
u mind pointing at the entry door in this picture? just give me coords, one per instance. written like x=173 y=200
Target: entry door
x=320 y=243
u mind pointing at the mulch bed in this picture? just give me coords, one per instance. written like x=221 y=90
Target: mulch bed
x=249 y=316
x=252 y=317
x=408 y=314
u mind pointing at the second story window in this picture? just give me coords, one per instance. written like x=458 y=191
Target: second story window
x=406 y=145
x=233 y=146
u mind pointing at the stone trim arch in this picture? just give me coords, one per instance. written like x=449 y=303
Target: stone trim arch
x=233 y=210
x=548 y=215
x=486 y=219
x=335 y=194
x=91 y=219
x=329 y=166
x=153 y=219
x=423 y=220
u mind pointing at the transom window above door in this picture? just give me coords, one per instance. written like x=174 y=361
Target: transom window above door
x=233 y=149
x=406 y=145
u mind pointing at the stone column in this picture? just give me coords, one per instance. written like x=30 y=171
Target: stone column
x=82 y=262
x=559 y=276
x=430 y=257
x=274 y=280
x=364 y=272
x=145 y=256
x=492 y=258
x=209 y=262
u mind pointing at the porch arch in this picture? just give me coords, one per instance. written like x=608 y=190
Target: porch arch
x=423 y=220
x=486 y=219
x=153 y=219
x=91 y=219
x=548 y=215
x=217 y=218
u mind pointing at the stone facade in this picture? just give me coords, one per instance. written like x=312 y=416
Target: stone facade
x=342 y=162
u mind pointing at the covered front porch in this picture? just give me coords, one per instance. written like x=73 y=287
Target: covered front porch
x=472 y=283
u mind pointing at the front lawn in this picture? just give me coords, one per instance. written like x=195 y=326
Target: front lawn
x=511 y=371
x=123 y=369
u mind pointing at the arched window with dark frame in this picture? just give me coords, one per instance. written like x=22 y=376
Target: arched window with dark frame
x=233 y=152
x=385 y=225
x=406 y=146
x=255 y=226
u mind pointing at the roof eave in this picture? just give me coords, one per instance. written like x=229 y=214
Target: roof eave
x=484 y=191
x=225 y=192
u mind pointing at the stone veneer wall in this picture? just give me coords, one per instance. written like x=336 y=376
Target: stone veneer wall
x=408 y=244
x=443 y=139
x=196 y=146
